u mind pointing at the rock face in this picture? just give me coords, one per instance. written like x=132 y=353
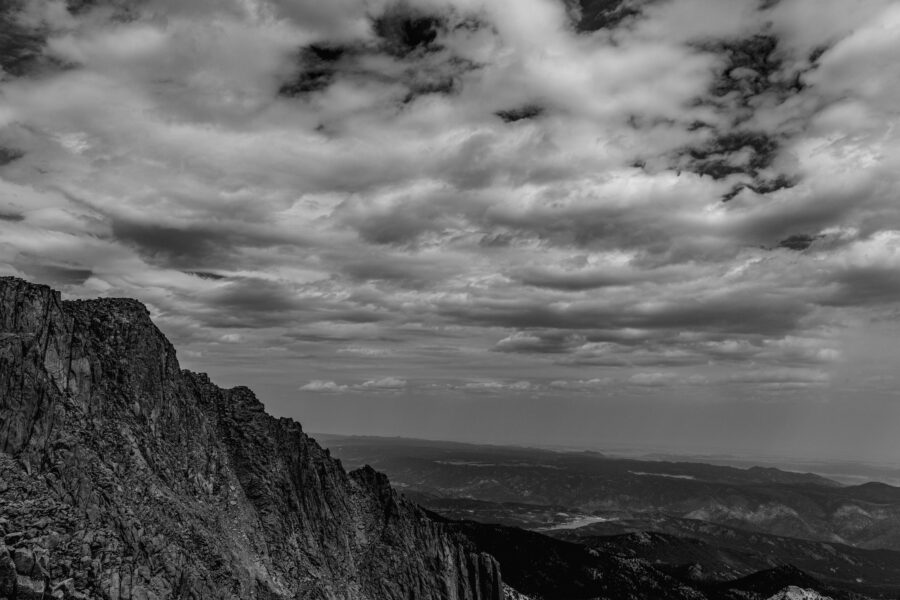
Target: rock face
x=795 y=593
x=124 y=477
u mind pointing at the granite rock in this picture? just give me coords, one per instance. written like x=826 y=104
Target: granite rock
x=126 y=477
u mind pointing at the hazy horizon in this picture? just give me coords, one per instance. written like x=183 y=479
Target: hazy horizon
x=839 y=469
x=673 y=224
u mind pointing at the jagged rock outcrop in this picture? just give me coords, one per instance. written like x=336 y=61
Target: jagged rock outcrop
x=795 y=593
x=124 y=477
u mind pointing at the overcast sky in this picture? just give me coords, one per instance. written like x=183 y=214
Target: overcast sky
x=669 y=223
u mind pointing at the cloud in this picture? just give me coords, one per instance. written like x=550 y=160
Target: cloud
x=384 y=383
x=495 y=386
x=544 y=343
x=323 y=386
x=488 y=193
x=664 y=379
x=363 y=351
x=778 y=379
x=584 y=385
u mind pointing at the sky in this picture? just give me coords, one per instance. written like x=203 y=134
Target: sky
x=665 y=223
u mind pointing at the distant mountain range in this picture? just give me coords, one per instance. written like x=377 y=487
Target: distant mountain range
x=766 y=500
x=690 y=520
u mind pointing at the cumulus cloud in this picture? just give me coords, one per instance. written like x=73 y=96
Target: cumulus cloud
x=323 y=386
x=495 y=386
x=384 y=383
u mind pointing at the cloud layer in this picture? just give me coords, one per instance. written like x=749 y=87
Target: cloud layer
x=455 y=198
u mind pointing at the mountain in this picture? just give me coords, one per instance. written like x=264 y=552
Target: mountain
x=124 y=477
x=553 y=569
x=543 y=489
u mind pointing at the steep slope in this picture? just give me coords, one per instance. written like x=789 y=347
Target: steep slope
x=122 y=476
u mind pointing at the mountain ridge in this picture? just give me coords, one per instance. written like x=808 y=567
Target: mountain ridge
x=127 y=477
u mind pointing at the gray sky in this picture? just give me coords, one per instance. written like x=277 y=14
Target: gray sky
x=672 y=223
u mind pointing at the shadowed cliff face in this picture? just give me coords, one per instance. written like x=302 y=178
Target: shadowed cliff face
x=122 y=476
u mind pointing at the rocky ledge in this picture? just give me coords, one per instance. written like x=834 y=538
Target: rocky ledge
x=124 y=477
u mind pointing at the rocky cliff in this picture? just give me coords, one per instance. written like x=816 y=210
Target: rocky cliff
x=122 y=476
